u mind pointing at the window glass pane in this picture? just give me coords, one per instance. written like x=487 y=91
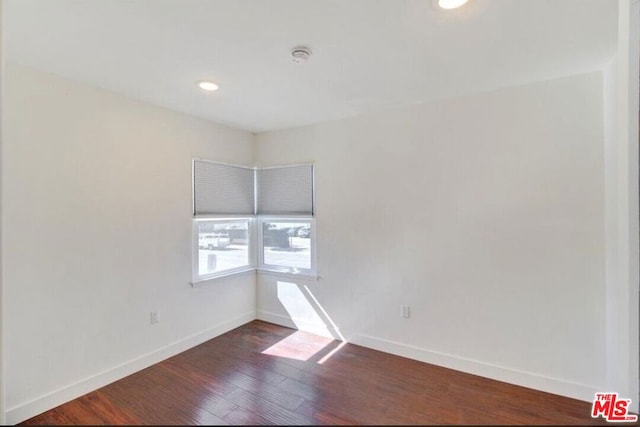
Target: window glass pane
x=287 y=244
x=222 y=246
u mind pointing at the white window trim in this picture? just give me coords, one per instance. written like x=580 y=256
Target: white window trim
x=276 y=269
x=303 y=276
x=197 y=279
x=225 y=274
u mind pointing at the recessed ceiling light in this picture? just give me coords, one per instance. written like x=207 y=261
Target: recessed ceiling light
x=451 y=4
x=208 y=86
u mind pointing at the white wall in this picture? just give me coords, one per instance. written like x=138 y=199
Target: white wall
x=485 y=214
x=2 y=72
x=621 y=177
x=612 y=258
x=96 y=193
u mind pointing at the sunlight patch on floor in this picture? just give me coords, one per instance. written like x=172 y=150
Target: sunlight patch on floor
x=299 y=346
x=308 y=315
x=332 y=352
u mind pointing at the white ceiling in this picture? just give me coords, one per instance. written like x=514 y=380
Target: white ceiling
x=367 y=54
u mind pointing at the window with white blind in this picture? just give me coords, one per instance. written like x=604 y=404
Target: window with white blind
x=285 y=190
x=223 y=209
x=232 y=203
x=221 y=189
x=286 y=229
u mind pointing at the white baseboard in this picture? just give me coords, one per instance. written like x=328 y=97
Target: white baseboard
x=277 y=319
x=513 y=376
x=58 y=397
x=475 y=367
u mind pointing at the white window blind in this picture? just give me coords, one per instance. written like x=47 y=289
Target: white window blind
x=286 y=190
x=222 y=189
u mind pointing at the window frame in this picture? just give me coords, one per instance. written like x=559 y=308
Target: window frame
x=277 y=269
x=198 y=279
x=255 y=244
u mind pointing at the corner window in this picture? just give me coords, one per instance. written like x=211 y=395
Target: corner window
x=232 y=204
x=223 y=247
x=287 y=245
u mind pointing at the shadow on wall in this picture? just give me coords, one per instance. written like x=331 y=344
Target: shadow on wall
x=321 y=338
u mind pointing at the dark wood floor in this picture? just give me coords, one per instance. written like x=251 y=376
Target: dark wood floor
x=266 y=374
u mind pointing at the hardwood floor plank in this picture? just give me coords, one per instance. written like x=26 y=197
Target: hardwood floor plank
x=321 y=417
x=189 y=372
x=277 y=414
x=262 y=373
x=242 y=416
x=103 y=411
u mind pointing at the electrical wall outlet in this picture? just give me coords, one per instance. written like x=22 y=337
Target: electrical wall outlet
x=154 y=317
x=405 y=311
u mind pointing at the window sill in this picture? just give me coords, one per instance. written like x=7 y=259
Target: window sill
x=289 y=274
x=210 y=280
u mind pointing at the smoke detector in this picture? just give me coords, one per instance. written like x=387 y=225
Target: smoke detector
x=300 y=54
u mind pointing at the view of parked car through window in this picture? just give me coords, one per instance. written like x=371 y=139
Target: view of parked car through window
x=287 y=244
x=222 y=246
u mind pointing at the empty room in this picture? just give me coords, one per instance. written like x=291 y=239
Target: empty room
x=303 y=212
